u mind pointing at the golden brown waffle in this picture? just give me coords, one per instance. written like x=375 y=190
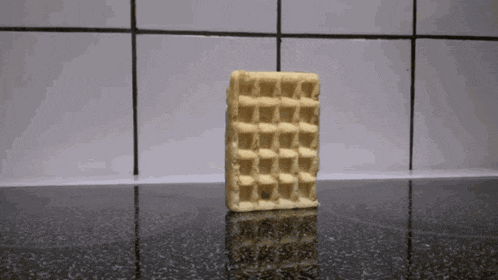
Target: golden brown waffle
x=271 y=157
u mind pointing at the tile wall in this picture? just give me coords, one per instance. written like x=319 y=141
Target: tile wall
x=66 y=85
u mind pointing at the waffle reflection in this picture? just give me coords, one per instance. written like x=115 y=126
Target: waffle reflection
x=278 y=244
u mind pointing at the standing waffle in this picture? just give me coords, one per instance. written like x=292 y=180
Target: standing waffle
x=271 y=157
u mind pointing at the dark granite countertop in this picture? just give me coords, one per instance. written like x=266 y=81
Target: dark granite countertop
x=377 y=229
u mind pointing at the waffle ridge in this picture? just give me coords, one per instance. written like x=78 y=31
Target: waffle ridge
x=272 y=130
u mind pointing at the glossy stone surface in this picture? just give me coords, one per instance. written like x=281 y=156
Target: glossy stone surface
x=379 y=229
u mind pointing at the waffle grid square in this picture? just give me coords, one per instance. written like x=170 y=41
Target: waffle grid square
x=272 y=129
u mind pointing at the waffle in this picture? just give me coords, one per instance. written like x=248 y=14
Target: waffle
x=277 y=244
x=271 y=157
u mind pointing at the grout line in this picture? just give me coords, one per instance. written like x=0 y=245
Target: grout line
x=412 y=100
x=65 y=29
x=414 y=19
x=244 y=34
x=346 y=36
x=457 y=37
x=204 y=33
x=134 y=85
x=412 y=81
x=279 y=32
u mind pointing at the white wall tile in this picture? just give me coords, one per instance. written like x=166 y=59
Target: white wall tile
x=365 y=101
x=74 y=13
x=456 y=121
x=213 y=15
x=352 y=16
x=65 y=105
x=182 y=83
x=457 y=17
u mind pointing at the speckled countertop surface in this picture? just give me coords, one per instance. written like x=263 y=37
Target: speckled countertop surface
x=379 y=229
